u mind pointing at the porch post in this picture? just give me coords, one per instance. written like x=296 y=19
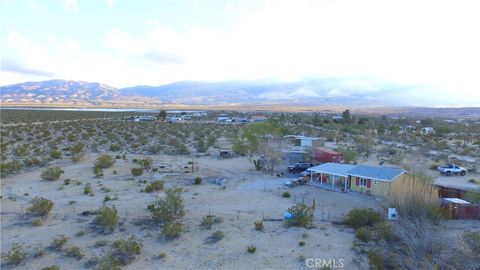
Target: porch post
x=345 y=180
x=311 y=176
x=321 y=178
x=333 y=180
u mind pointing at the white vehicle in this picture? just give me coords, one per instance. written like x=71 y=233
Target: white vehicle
x=450 y=169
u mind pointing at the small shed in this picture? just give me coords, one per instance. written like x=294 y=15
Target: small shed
x=461 y=209
x=293 y=157
x=224 y=153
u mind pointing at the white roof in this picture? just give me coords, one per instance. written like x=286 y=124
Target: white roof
x=456 y=200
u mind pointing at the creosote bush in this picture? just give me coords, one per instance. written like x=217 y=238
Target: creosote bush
x=58 y=242
x=137 y=171
x=302 y=215
x=75 y=252
x=107 y=218
x=51 y=267
x=286 y=194
x=259 y=225
x=125 y=249
x=15 y=255
x=216 y=236
x=155 y=186
x=209 y=220
x=52 y=173
x=40 y=207
x=251 y=249
x=198 y=180
x=360 y=217
x=104 y=161
x=363 y=234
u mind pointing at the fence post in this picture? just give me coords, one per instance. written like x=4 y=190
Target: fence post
x=73 y=206
x=22 y=207
x=126 y=212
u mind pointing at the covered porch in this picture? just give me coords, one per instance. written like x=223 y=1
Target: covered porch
x=331 y=176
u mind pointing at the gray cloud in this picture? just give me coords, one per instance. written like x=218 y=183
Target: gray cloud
x=11 y=65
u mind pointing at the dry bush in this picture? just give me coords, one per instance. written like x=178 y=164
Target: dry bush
x=52 y=173
x=15 y=255
x=415 y=196
x=40 y=207
x=107 y=218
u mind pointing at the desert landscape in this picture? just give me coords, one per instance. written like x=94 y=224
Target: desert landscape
x=233 y=213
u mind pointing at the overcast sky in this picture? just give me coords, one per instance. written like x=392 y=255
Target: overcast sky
x=433 y=46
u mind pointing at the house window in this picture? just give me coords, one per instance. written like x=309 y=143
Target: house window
x=375 y=182
x=363 y=182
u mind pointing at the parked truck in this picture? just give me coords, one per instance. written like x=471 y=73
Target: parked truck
x=450 y=169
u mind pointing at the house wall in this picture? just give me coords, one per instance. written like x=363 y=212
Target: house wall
x=377 y=188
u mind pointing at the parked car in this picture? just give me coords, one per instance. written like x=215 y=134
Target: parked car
x=299 y=167
x=450 y=169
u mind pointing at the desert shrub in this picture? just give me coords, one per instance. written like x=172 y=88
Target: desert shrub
x=433 y=167
x=198 y=180
x=301 y=243
x=259 y=225
x=363 y=234
x=115 y=147
x=155 y=186
x=40 y=207
x=302 y=215
x=209 y=220
x=162 y=255
x=168 y=209
x=107 y=198
x=106 y=217
x=58 y=242
x=251 y=249
x=360 y=217
x=472 y=241
x=384 y=230
x=101 y=243
x=172 y=229
x=75 y=252
x=67 y=181
x=378 y=260
x=87 y=189
x=104 y=161
x=125 y=249
x=15 y=255
x=415 y=196
x=52 y=173
x=51 y=267
x=98 y=171
x=286 y=194
x=37 y=222
x=56 y=154
x=216 y=236
x=80 y=233
x=137 y=171
x=109 y=263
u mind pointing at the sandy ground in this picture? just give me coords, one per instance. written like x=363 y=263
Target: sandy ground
x=248 y=197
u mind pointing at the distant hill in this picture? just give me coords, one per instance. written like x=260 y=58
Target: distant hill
x=58 y=91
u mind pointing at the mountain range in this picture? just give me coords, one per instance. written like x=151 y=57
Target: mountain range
x=306 y=92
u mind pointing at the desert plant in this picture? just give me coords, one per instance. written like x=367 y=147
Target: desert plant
x=109 y=262
x=56 y=154
x=58 y=242
x=216 y=236
x=104 y=161
x=106 y=217
x=198 y=180
x=107 y=198
x=40 y=207
x=37 y=222
x=383 y=230
x=52 y=173
x=137 y=171
x=251 y=249
x=301 y=243
x=87 y=189
x=51 y=267
x=168 y=209
x=258 y=164
x=302 y=215
x=259 y=225
x=155 y=186
x=126 y=249
x=75 y=252
x=286 y=194
x=67 y=181
x=360 y=217
x=363 y=234
x=15 y=255
x=472 y=241
x=101 y=243
x=172 y=229
x=98 y=171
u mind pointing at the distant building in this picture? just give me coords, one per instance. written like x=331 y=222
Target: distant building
x=427 y=131
x=224 y=118
x=258 y=118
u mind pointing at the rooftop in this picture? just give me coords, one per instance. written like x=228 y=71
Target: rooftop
x=378 y=173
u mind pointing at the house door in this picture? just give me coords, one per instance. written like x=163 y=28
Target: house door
x=349 y=182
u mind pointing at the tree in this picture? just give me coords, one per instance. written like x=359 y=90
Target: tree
x=349 y=156
x=347 y=118
x=162 y=115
